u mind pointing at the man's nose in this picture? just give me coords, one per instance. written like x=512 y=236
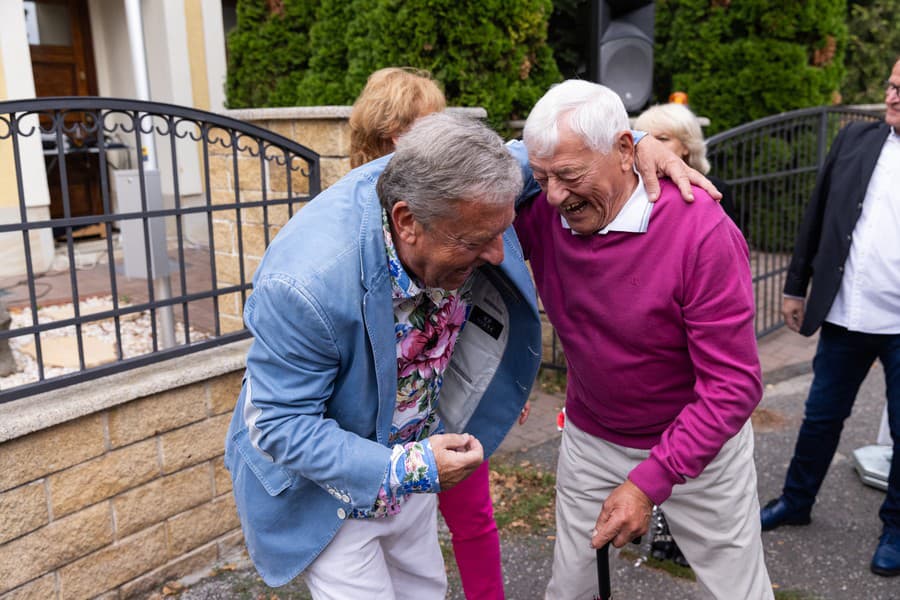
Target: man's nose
x=556 y=192
x=493 y=252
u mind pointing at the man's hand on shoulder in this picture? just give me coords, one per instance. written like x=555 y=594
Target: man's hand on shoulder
x=653 y=159
x=456 y=456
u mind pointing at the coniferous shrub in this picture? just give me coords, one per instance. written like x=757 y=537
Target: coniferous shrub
x=873 y=49
x=268 y=52
x=740 y=61
x=489 y=53
x=326 y=81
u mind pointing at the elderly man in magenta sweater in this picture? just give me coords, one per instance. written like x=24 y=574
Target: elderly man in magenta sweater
x=653 y=303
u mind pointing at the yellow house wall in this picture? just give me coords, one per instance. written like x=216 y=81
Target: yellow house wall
x=196 y=40
x=8 y=194
x=16 y=82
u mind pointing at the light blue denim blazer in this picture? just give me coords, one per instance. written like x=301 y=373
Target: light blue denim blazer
x=307 y=442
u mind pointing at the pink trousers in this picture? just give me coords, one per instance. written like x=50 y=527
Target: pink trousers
x=469 y=514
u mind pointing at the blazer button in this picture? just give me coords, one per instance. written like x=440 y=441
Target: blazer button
x=841 y=269
x=849 y=237
x=342 y=514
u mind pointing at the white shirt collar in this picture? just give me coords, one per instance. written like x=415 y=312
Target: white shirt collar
x=634 y=217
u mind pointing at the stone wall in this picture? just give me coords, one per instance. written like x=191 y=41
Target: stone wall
x=321 y=129
x=118 y=485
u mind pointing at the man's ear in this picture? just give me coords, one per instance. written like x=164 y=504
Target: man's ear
x=405 y=226
x=624 y=144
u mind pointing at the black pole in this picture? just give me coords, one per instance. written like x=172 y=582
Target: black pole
x=598 y=7
x=603 y=572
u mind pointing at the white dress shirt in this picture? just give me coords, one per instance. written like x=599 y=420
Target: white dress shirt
x=869 y=297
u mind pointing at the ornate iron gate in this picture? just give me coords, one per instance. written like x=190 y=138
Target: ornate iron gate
x=230 y=183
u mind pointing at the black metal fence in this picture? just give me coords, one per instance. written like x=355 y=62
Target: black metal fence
x=156 y=285
x=236 y=184
x=771 y=167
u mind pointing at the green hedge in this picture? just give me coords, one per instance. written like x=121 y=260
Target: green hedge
x=490 y=53
x=737 y=60
x=740 y=61
x=873 y=49
x=267 y=53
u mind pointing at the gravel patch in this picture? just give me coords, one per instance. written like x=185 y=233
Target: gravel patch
x=135 y=328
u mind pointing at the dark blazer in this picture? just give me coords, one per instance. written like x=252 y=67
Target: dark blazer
x=823 y=241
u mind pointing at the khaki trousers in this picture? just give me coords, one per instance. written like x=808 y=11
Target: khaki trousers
x=713 y=518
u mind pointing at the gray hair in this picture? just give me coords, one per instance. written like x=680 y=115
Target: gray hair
x=677 y=120
x=592 y=111
x=444 y=159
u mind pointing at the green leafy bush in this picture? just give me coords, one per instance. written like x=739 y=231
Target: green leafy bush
x=739 y=61
x=268 y=52
x=872 y=50
x=490 y=53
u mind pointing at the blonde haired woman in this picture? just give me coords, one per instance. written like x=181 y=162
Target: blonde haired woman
x=393 y=98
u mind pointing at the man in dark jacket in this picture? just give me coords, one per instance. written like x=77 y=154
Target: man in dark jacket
x=849 y=245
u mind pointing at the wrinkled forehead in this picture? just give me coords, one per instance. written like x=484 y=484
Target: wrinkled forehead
x=571 y=154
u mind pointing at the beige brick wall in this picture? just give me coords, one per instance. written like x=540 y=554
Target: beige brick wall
x=328 y=136
x=113 y=504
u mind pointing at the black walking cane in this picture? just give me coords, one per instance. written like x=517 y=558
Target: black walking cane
x=603 y=573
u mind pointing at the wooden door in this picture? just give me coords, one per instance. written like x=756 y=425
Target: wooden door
x=62 y=61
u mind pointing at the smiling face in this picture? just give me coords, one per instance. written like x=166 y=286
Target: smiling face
x=447 y=252
x=892 y=99
x=588 y=188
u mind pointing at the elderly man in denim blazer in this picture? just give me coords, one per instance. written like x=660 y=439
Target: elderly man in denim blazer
x=316 y=443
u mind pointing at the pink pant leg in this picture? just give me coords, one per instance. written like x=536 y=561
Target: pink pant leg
x=469 y=514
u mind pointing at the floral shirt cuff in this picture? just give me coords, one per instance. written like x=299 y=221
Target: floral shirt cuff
x=413 y=470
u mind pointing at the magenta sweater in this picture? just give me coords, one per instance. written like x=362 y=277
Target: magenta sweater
x=657 y=328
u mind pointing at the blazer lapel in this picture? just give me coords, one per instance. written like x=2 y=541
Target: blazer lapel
x=871 y=150
x=378 y=314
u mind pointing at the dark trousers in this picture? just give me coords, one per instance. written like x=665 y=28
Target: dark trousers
x=843 y=359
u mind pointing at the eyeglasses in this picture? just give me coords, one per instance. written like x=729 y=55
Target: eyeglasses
x=891 y=86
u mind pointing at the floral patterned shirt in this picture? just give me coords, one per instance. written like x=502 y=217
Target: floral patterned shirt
x=427 y=322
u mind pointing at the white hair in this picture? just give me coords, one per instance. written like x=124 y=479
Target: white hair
x=591 y=111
